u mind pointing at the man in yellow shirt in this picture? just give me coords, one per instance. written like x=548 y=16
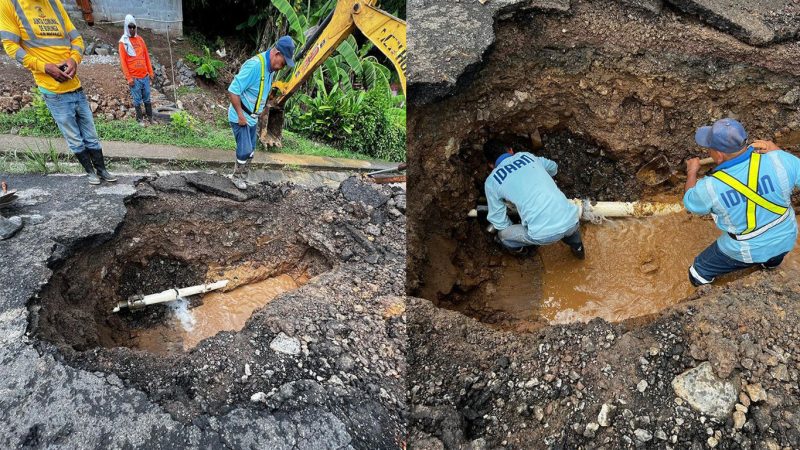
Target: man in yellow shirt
x=39 y=35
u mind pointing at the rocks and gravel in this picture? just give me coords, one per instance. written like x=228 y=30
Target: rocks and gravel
x=285 y=344
x=343 y=389
x=704 y=392
x=511 y=388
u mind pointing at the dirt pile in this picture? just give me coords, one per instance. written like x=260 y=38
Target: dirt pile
x=601 y=88
x=328 y=354
x=603 y=385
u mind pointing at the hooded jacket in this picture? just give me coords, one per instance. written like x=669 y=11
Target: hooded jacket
x=137 y=65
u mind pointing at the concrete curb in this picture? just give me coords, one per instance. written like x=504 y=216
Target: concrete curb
x=157 y=153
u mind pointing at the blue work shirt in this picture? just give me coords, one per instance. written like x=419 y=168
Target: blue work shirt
x=246 y=83
x=527 y=181
x=778 y=175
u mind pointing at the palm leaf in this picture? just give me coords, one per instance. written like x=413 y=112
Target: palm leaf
x=348 y=51
x=322 y=11
x=291 y=16
x=333 y=70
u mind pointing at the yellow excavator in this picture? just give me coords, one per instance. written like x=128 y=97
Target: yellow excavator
x=387 y=32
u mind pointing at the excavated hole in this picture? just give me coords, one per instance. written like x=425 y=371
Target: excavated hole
x=634 y=267
x=168 y=243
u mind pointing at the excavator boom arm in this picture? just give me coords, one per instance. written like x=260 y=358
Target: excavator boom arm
x=387 y=32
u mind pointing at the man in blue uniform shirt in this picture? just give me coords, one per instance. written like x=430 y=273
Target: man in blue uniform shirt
x=248 y=93
x=526 y=181
x=749 y=196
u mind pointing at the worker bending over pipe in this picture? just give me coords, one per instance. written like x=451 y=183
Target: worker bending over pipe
x=527 y=181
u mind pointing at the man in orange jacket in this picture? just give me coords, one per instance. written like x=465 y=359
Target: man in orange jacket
x=136 y=66
x=41 y=37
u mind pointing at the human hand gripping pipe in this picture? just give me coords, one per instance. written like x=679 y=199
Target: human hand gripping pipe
x=140 y=301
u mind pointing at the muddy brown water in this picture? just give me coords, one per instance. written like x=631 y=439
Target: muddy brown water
x=167 y=242
x=219 y=311
x=633 y=267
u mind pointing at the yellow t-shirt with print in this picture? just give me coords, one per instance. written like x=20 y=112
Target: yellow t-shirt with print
x=38 y=32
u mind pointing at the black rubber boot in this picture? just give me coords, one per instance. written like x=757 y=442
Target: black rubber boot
x=86 y=161
x=139 y=113
x=578 y=251
x=148 y=111
x=575 y=244
x=100 y=165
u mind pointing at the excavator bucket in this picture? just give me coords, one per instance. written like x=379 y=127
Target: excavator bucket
x=272 y=131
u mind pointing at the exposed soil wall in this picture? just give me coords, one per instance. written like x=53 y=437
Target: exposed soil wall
x=331 y=349
x=601 y=89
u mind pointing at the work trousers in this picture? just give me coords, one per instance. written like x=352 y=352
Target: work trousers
x=74 y=118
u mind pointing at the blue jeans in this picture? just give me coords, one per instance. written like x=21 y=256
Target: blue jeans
x=74 y=118
x=140 y=91
x=711 y=263
x=516 y=236
x=245 y=141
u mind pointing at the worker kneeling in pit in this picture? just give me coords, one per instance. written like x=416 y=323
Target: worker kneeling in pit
x=748 y=194
x=526 y=181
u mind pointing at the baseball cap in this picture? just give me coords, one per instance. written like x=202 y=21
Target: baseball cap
x=285 y=45
x=725 y=135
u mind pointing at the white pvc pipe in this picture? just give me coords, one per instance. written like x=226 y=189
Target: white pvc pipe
x=591 y=211
x=169 y=295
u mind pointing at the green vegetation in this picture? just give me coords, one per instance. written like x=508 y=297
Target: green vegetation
x=183 y=90
x=35 y=162
x=43 y=162
x=206 y=66
x=201 y=134
x=298 y=145
x=204 y=135
x=191 y=164
x=183 y=124
x=138 y=164
x=347 y=102
x=41 y=114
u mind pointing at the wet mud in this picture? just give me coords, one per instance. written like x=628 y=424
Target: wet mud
x=186 y=325
x=602 y=103
x=311 y=324
x=166 y=243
